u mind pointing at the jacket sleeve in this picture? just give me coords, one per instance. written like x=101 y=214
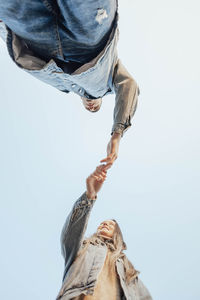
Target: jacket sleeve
x=143 y=293
x=127 y=92
x=74 y=229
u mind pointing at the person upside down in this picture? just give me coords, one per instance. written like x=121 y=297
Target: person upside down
x=72 y=45
x=96 y=268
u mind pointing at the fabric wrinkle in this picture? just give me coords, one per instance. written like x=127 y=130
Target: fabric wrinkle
x=101 y=15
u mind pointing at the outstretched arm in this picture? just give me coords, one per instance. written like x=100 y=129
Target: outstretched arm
x=76 y=223
x=127 y=92
x=126 y=99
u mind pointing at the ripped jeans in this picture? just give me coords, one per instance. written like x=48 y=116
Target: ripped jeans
x=67 y=30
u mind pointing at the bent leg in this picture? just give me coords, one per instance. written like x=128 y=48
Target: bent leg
x=85 y=27
x=33 y=22
x=88 y=21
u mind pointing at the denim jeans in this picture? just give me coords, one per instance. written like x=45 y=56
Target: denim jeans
x=68 y=30
x=36 y=47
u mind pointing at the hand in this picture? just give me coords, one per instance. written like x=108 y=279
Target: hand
x=95 y=181
x=112 y=150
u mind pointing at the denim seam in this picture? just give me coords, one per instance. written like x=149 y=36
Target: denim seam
x=50 y=7
x=55 y=14
x=59 y=39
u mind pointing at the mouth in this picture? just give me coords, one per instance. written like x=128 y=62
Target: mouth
x=104 y=227
x=92 y=108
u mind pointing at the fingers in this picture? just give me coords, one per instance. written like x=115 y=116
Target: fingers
x=108 y=166
x=100 y=168
x=99 y=173
x=109 y=160
x=104 y=160
x=98 y=177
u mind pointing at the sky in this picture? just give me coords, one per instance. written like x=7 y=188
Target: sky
x=49 y=144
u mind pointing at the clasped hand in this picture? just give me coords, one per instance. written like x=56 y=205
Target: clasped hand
x=112 y=151
x=95 y=181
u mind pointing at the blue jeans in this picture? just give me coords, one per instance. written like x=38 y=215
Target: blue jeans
x=67 y=30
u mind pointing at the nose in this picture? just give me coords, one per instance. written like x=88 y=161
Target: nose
x=90 y=103
x=105 y=223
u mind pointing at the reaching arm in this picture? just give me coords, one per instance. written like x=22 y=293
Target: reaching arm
x=74 y=229
x=75 y=226
x=127 y=92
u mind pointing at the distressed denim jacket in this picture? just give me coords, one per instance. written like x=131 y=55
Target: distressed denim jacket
x=81 y=272
x=103 y=75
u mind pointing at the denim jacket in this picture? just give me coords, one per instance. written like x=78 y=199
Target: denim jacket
x=103 y=75
x=81 y=272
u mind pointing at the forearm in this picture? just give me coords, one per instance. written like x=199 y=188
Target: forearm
x=126 y=99
x=75 y=227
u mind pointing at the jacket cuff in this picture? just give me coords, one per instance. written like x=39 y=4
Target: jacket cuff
x=84 y=201
x=121 y=128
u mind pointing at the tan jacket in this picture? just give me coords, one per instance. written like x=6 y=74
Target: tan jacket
x=81 y=273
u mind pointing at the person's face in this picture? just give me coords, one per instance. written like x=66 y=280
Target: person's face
x=92 y=105
x=106 y=229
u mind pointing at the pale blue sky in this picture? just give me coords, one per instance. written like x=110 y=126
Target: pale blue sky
x=49 y=144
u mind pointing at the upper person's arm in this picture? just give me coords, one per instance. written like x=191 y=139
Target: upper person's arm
x=74 y=229
x=126 y=98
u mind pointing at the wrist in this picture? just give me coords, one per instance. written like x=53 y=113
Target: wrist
x=91 y=196
x=116 y=136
